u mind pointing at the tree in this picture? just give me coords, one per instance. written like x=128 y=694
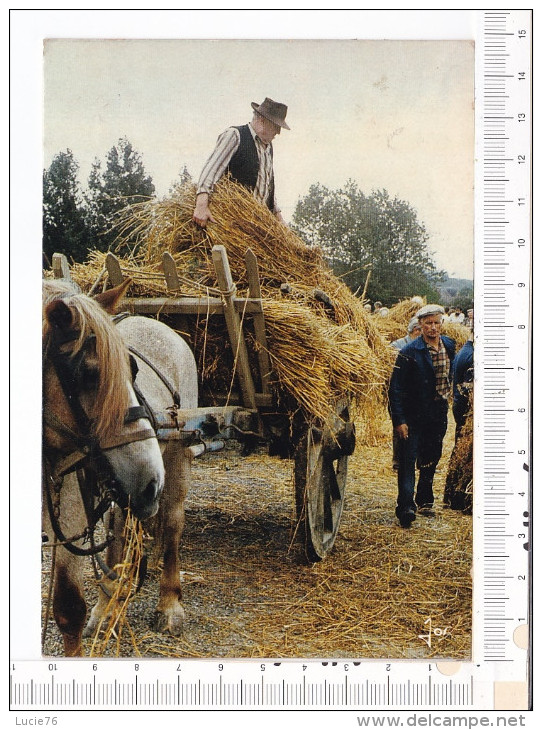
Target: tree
x=124 y=182
x=185 y=178
x=64 y=225
x=375 y=233
x=464 y=298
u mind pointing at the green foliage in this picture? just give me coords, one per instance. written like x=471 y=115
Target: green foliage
x=122 y=183
x=64 y=226
x=464 y=298
x=361 y=234
x=75 y=222
x=185 y=178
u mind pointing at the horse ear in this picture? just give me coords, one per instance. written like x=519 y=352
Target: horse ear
x=110 y=299
x=58 y=314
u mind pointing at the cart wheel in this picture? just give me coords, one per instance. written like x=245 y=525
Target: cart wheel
x=320 y=471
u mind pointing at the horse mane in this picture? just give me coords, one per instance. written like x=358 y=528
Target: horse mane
x=113 y=396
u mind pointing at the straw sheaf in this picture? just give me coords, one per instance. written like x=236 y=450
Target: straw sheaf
x=394 y=326
x=241 y=223
x=460 y=466
x=319 y=361
x=109 y=632
x=458 y=332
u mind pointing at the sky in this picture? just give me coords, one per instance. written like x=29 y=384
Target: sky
x=393 y=114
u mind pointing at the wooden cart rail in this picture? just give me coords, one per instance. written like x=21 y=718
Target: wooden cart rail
x=229 y=305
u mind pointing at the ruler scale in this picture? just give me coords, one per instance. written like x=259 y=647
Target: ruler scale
x=249 y=691
x=502 y=362
x=502 y=487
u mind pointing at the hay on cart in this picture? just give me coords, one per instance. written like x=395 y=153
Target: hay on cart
x=322 y=343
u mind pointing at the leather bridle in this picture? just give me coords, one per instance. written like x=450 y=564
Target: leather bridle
x=86 y=456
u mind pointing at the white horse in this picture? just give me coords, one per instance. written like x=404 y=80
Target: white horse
x=90 y=405
x=157 y=348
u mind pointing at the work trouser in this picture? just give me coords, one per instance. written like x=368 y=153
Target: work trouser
x=422 y=448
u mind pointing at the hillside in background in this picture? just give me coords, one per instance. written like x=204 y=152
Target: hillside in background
x=451 y=289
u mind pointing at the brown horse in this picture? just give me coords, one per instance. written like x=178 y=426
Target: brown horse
x=98 y=438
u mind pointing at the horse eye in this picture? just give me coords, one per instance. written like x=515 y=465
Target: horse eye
x=89 y=378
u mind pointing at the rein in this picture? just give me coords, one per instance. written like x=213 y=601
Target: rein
x=93 y=514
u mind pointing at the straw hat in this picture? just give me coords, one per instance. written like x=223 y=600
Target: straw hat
x=272 y=110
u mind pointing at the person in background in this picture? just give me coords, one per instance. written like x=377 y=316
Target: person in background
x=413 y=330
x=246 y=154
x=463 y=384
x=418 y=400
x=456 y=316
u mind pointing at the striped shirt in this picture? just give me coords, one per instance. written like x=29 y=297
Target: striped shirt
x=441 y=365
x=226 y=146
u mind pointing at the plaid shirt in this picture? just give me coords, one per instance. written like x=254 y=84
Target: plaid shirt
x=226 y=146
x=441 y=365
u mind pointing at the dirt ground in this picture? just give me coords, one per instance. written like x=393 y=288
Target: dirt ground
x=383 y=591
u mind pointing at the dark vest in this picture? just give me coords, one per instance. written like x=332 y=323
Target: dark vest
x=244 y=164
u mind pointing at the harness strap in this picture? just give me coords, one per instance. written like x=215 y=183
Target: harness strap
x=65 y=378
x=68 y=543
x=54 y=422
x=134 y=413
x=143 y=435
x=149 y=413
x=69 y=463
x=174 y=393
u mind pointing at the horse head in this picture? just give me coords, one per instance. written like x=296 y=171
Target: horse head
x=91 y=415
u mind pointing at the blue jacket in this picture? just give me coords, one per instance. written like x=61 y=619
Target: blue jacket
x=462 y=373
x=412 y=390
x=463 y=370
x=400 y=343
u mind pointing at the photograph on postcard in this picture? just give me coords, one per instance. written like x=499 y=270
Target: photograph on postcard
x=258 y=335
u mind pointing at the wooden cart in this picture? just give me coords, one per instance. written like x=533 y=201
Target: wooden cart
x=320 y=451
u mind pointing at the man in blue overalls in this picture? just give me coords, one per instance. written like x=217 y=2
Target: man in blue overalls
x=418 y=396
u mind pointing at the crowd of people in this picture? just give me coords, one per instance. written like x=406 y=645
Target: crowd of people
x=449 y=314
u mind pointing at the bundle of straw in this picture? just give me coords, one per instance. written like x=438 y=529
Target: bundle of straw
x=394 y=325
x=459 y=478
x=458 y=332
x=241 y=222
x=319 y=361
x=122 y=590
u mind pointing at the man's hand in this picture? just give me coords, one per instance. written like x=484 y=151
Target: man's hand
x=402 y=431
x=202 y=213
